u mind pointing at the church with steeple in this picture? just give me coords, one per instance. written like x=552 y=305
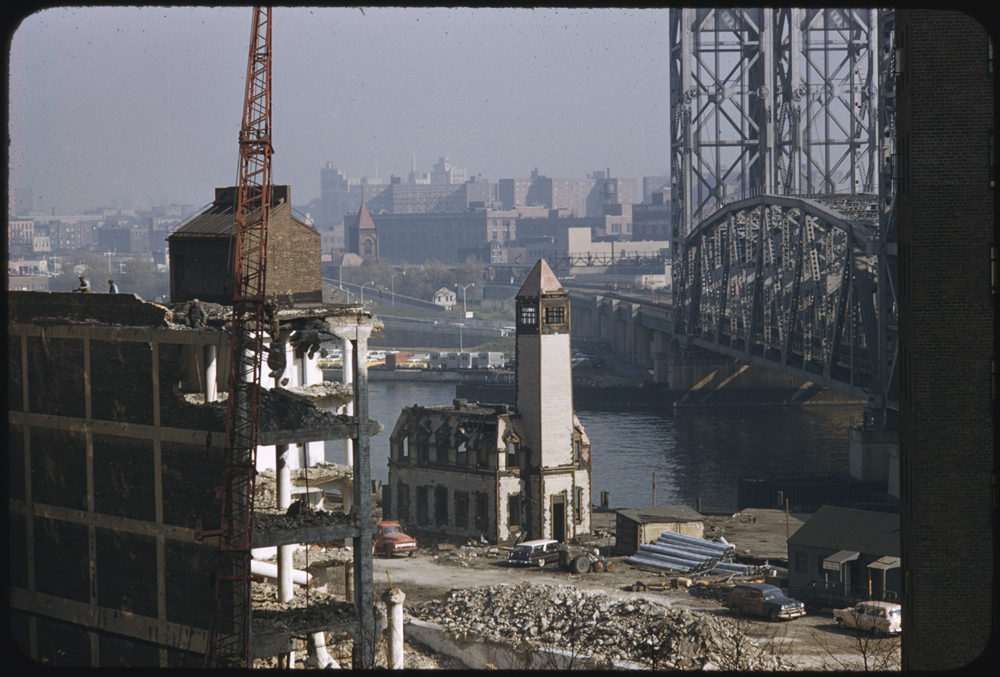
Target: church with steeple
x=506 y=474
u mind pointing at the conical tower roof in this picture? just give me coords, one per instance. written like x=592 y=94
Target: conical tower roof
x=364 y=221
x=541 y=280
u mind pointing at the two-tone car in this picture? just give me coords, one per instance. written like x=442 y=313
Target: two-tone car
x=764 y=600
x=880 y=618
x=534 y=553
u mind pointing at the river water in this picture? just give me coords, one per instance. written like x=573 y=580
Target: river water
x=695 y=453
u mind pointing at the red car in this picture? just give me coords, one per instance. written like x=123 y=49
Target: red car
x=390 y=540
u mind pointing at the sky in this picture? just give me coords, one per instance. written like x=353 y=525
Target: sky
x=132 y=106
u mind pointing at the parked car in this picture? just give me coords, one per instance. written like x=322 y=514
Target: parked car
x=538 y=553
x=391 y=540
x=880 y=618
x=764 y=600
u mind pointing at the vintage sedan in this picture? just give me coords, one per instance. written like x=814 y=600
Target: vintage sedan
x=764 y=600
x=880 y=618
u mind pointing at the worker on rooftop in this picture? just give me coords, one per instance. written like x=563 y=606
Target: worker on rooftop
x=196 y=314
x=84 y=285
x=112 y=287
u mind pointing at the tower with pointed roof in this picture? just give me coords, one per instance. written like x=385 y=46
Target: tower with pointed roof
x=558 y=477
x=362 y=236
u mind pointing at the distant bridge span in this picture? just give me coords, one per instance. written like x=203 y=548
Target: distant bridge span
x=786 y=283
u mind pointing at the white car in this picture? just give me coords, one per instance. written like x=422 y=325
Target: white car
x=880 y=618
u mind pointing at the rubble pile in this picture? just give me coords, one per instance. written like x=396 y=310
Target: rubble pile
x=564 y=617
x=299 y=614
x=266 y=520
x=279 y=411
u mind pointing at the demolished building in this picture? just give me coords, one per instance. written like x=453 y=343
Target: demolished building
x=115 y=442
x=506 y=474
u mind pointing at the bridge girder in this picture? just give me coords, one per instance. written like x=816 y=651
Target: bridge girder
x=786 y=283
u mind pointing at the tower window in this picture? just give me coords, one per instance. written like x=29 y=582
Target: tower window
x=529 y=315
x=555 y=315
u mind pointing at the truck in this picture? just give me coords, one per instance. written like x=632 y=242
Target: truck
x=390 y=539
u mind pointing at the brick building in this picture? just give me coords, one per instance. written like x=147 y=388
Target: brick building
x=947 y=290
x=116 y=441
x=201 y=252
x=507 y=474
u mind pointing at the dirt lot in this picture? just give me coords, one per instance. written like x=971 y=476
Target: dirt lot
x=809 y=643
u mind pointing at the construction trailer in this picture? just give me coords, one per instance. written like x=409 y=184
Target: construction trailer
x=116 y=433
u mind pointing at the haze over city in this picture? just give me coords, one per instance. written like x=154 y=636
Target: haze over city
x=137 y=106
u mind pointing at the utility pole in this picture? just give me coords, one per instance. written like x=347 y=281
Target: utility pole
x=464 y=287
x=393 y=283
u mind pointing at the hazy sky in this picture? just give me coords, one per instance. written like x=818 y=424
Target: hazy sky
x=145 y=103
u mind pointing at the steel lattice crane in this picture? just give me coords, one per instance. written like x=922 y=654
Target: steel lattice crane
x=229 y=643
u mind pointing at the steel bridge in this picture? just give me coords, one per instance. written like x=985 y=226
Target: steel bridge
x=784 y=238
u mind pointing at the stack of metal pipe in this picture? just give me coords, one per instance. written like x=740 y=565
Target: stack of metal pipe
x=687 y=554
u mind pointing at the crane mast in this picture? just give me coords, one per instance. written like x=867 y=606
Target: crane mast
x=229 y=644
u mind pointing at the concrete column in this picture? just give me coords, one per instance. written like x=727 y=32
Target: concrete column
x=323 y=658
x=347 y=371
x=393 y=598
x=211 y=375
x=283 y=491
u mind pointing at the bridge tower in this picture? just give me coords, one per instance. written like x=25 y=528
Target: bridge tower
x=776 y=101
x=789 y=102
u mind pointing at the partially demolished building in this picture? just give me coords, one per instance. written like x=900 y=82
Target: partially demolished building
x=506 y=474
x=115 y=443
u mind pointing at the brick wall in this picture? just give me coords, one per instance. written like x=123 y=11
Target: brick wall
x=201 y=267
x=945 y=224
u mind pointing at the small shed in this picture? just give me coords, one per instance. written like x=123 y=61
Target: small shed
x=635 y=526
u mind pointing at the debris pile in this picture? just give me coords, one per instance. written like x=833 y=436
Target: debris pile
x=300 y=614
x=689 y=555
x=564 y=617
x=267 y=520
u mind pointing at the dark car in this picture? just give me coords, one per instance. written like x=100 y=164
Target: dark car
x=764 y=600
x=537 y=553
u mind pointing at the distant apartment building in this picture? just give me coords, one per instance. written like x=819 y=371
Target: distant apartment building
x=583 y=197
x=20 y=233
x=124 y=240
x=444 y=173
x=652 y=184
x=406 y=198
x=653 y=221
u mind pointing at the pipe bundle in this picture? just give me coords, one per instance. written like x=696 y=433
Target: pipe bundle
x=687 y=554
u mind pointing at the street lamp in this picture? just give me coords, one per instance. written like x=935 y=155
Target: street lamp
x=464 y=287
x=393 y=283
x=363 y=291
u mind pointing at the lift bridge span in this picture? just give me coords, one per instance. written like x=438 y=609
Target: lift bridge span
x=783 y=202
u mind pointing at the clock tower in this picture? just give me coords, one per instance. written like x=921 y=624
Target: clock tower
x=558 y=475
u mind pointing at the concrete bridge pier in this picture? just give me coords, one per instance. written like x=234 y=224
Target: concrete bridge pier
x=660 y=357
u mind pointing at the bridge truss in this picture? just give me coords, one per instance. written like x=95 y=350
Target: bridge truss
x=782 y=189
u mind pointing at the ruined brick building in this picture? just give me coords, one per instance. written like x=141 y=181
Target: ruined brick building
x=507 y=474
x=201 y=252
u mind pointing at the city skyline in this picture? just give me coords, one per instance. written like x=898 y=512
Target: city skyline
x=143 y=104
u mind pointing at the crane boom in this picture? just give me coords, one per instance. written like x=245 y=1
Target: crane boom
x=229 y=644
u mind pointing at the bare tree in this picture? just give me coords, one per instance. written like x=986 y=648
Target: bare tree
x=869 y=650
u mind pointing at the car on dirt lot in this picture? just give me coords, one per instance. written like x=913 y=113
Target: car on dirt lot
x=534 y=553
x=880 y=618
x=763 y=600
x=391 y=540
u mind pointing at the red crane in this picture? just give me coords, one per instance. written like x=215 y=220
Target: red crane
x=229 y=643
